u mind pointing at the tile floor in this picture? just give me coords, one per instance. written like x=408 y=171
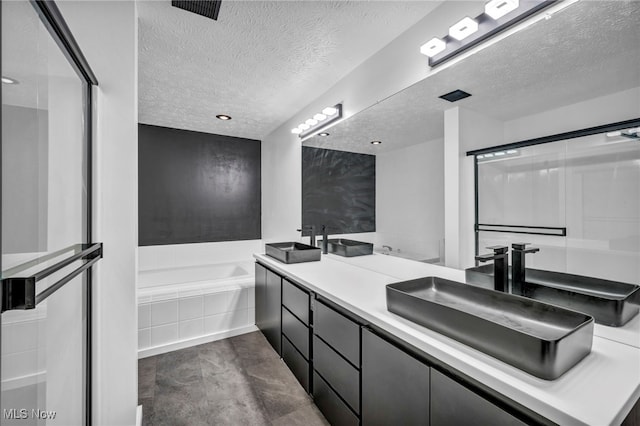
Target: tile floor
x=236 y=381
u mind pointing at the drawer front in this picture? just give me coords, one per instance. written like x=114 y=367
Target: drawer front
x=452 y=403
x=296 y=300
x=338 y=331
x=342 y=376
x=336 y=411
x=296 y=362
x=296 y=332
x=395 y=385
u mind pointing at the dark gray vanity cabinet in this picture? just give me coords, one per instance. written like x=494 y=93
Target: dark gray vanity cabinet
x=260 y=289
x=454 y=404
x=268 y=304
x=296 y=334
x=336 y=365
x=395 y=385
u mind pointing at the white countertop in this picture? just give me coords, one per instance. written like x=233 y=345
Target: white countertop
x=600 y=390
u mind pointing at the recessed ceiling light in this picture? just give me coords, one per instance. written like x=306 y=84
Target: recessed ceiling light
x=223 y=117
x=376 y=142
x=9 y=80
x=498 y=8
x=433 y=47
x=323 y=134
x=463 y=29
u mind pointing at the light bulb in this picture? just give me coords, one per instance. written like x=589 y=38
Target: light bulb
x=320 y=117
x=296 y=131
x=329 y=111
x=311 y=122
x=463 y=29
x=498 y=8
x=433 y=47
x=303 y=126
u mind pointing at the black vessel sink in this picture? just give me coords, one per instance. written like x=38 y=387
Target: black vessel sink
x=541 y=339
x=611 y=303
x=292 y=252
x=349 y=248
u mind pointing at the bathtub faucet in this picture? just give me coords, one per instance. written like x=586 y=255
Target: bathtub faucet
x=312 y=235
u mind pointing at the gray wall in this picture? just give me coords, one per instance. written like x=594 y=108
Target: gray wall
x=338 y=190
x=25 y=173
x=197 y=187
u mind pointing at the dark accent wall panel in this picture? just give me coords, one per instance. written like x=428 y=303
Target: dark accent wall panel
x=338 y=190
x=197 y=187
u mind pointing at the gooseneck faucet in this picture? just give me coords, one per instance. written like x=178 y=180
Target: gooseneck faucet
x=312 y=235
x=500 y=257
x=325 y=239
x=518 y=251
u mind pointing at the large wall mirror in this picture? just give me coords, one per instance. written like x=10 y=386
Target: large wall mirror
x=585 y=54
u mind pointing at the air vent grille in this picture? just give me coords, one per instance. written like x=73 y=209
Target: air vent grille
x=454 y=96
x=207 y=8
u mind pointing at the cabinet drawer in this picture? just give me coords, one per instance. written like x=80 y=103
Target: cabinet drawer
x=395 y=385
x=452 y=403
x=296 y=332
x=338 y=331
x=336 y=411
x=296 y=300
x=296 y=362
x=342 y=376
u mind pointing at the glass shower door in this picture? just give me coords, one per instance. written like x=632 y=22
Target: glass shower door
x=46 y=253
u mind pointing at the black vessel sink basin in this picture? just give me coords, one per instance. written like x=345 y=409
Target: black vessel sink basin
x=349 y=248
x=610 y=303
x=292 y=252
x=541 y=339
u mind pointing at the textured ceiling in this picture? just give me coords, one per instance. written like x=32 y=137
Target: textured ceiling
x=260 y=62
x=587 y=50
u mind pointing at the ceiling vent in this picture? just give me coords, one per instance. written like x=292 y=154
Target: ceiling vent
x=207 y=8
x=454 y=96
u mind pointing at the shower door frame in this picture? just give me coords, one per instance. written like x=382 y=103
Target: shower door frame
x=54 y=22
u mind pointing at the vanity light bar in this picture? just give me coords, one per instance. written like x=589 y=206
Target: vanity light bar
x=498 y=155
x=319 y=121
x=468 y=32
x=632 y=133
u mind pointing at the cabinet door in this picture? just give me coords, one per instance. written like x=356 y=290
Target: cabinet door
x=395 y=386
x=453 y=404
x=273 y=304
x=261 y=288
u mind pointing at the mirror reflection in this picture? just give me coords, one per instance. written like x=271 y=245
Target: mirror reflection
x=581 y=70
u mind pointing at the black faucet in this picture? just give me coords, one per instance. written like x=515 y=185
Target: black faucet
x=325 y=239
x=500 y=257
x=312 y=235
x=518 y=251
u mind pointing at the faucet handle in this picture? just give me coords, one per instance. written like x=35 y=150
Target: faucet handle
x=499 y=249
x=523 y=248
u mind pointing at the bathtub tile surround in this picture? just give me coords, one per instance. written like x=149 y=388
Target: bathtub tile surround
x=194 y=293
x=239 y=380
x=185 y=321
